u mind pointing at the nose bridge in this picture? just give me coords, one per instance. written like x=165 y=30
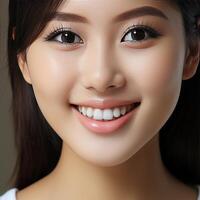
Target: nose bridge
x=101 y=64
x=99 y=70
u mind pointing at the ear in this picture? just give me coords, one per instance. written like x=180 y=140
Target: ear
x=191 y=62
x=24 y=67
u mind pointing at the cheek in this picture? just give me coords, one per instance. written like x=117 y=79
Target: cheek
x=52 y=73
x=157 y=70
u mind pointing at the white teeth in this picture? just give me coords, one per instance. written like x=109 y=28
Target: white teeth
x=116 y=112
x=89 y=112
x=106 y=114
x=97 y=114
x=84 y=110
x=123 y=110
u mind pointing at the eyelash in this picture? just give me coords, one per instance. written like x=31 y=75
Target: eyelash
x=152 y=33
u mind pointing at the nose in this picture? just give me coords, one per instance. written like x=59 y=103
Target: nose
x=100 y=73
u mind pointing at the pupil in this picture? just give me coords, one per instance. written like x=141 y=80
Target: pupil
x=68 y=37
x=138 y=34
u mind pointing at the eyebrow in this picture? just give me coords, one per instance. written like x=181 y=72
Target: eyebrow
x=136 y=12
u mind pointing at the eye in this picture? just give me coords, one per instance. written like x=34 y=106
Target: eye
x=140 y=34
x=65 y=37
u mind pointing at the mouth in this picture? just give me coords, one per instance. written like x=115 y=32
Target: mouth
x=105 y=121
x=108 y=114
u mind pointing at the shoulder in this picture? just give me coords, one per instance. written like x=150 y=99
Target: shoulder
x=9 y=195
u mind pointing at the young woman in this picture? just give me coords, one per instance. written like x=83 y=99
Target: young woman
x=105 y=99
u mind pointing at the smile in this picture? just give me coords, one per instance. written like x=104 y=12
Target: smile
x=106 y=114
x=105 y=121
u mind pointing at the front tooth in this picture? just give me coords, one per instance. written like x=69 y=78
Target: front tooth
x=116 y=112
x=97 y=114
x=89 y=112
x=123 y=110
x=107 y=114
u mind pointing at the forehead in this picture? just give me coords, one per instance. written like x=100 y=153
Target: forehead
x=94 y=10
x=93 y=2
x=114 y=5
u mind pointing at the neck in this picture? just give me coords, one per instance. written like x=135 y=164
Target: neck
x=141 y=176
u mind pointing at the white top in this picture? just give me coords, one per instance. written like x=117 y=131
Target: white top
x=11 y=194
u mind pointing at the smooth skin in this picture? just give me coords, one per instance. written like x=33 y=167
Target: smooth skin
x=127 y=164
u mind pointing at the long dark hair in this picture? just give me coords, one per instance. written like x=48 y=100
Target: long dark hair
x=39 y=147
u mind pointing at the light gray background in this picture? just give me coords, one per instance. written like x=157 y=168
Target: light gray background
x=7 y=150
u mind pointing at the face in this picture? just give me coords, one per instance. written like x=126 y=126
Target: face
x=140 y=56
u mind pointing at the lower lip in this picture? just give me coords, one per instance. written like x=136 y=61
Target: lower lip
x=104 y=127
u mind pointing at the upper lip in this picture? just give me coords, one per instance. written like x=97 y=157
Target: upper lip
x=108 y=103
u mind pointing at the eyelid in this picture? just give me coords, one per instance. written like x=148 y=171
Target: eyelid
x=56 y=31
x=144 y=26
